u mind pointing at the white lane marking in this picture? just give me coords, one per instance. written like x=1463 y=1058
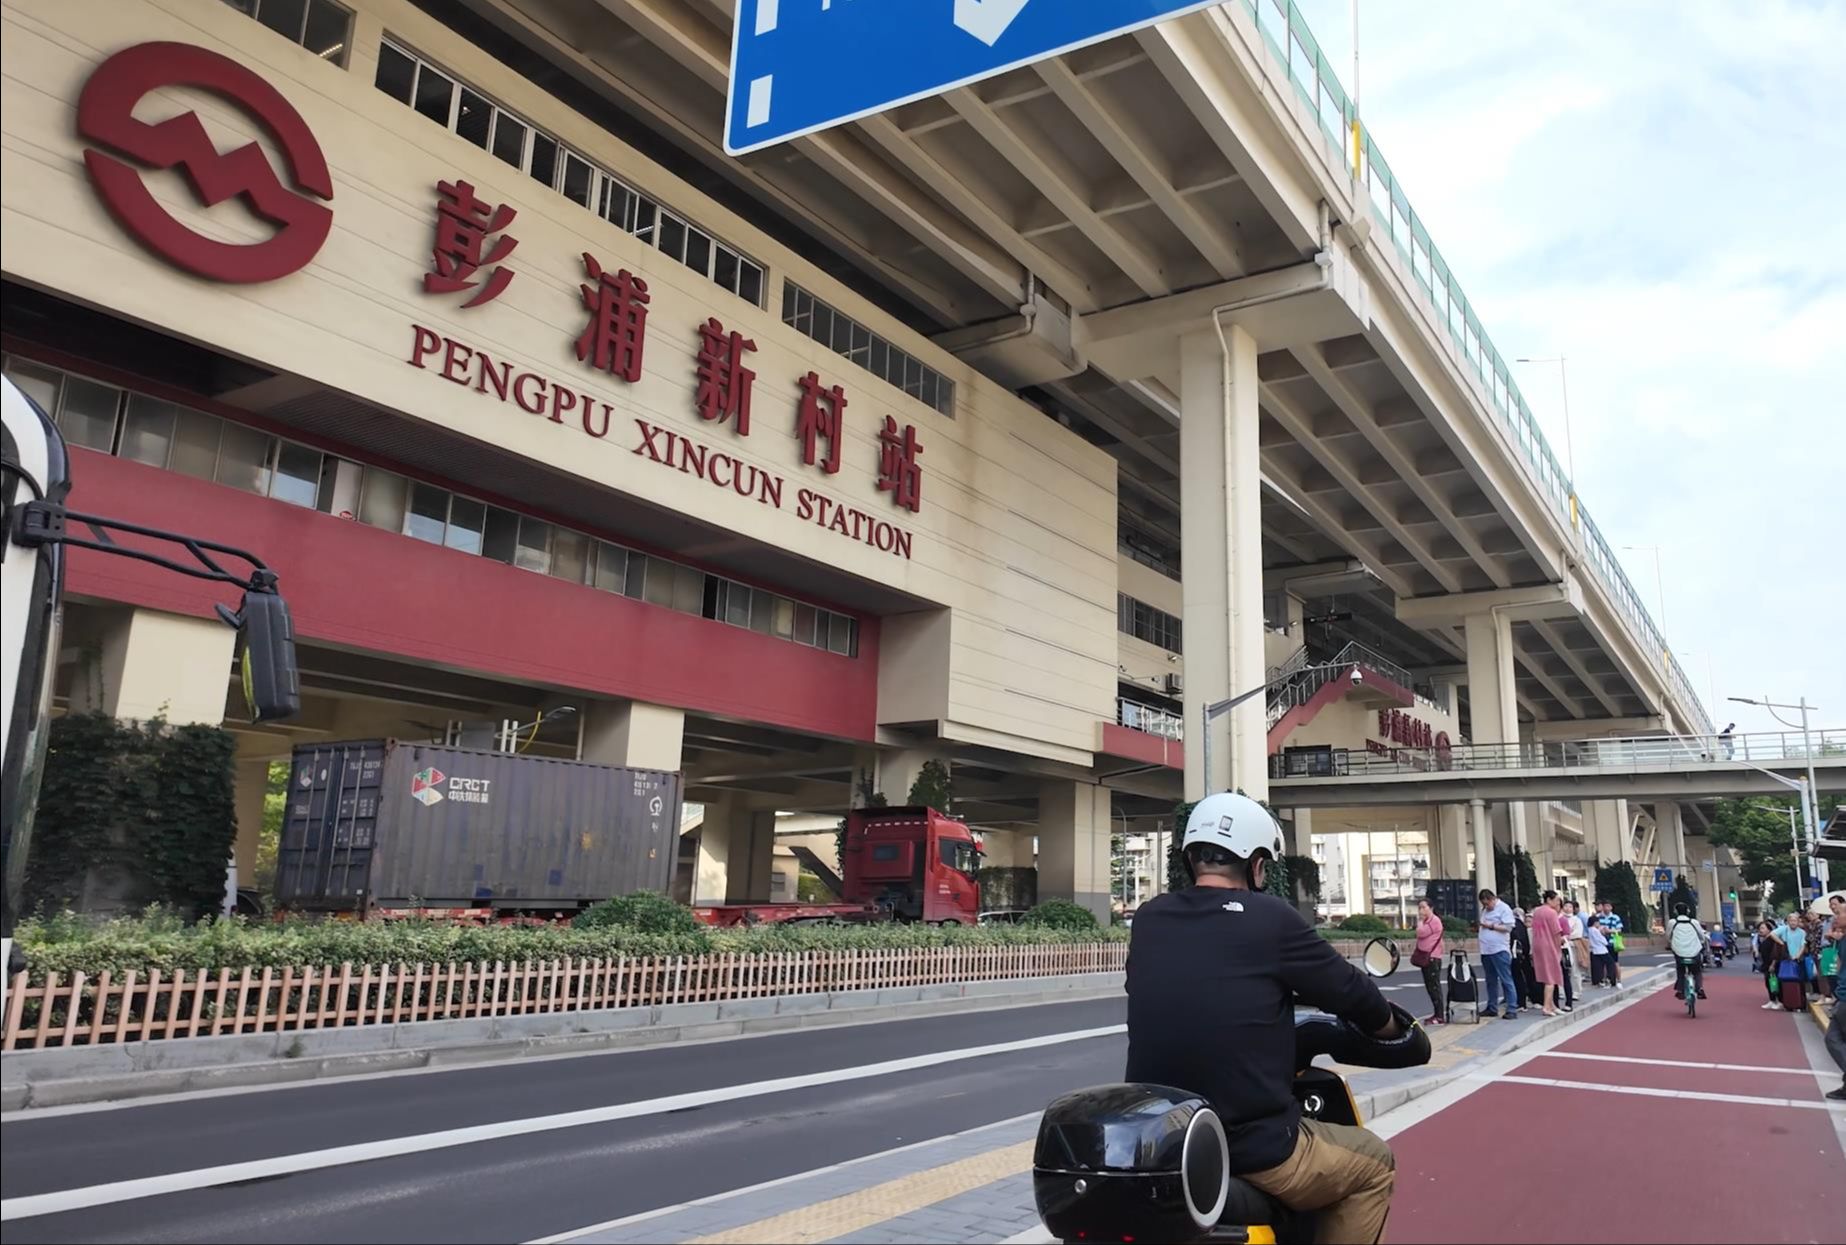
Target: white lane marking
x=757 y=110
x=392 y=1147
x=727 y=1195
x=443 y=1069
x=1414 y=1112
x=766 y=16
x=1644 y=1091
x=1681 y=1063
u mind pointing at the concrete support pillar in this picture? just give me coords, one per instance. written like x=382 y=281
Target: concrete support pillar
x=146 y=664
x=632 y=733
x=1493 y=705
x=252 y=778
x=1221 y=549
x=1450 y=842
x=1670 y=835
x=1073 y=844
x=898 y=769
x=1482 y=827
x=736 y=854
x=1298 y=832
x=1606 y=824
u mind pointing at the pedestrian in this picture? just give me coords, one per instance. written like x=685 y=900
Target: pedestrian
x=1576 y=954
x=1428 y=957
x=1769 y=955
x=1523 y=981
x=1724 y=740
x=1611 y=922
x=1496 y=924
x=1599 y=952
x=1832 y=940
x=1836 y=1029
x=1547 y=950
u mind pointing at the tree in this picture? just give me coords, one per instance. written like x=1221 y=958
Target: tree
x=1515 y=877
x=1757 y=830
x=933 y=788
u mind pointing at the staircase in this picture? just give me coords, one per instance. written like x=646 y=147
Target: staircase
x=1305 y=682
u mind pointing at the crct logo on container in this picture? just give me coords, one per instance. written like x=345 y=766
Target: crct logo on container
x=424 y=785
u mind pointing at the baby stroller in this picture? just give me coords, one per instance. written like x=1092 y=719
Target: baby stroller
x=1463 y=986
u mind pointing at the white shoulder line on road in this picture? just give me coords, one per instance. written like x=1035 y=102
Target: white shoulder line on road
x=1648 y=1091
x=337 y=1156
x=1681 y=1063
x=728 y=1194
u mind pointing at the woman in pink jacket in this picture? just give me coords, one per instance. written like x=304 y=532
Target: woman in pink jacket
x=1428 y=957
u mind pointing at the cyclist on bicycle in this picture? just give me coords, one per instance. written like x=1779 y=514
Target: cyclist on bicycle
x=1686 y=940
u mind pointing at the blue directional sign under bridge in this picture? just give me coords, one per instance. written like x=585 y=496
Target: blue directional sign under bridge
x=798 y=66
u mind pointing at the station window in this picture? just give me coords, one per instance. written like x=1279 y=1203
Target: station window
x=410 y=80
x=320 y=26
x=1144 y=622
x=177 y=438
x=843 y=335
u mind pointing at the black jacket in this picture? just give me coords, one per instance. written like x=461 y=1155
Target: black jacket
x=1212 y=979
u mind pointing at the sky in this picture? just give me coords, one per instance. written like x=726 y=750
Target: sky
x=1653 y=189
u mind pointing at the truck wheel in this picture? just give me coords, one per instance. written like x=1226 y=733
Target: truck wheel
x=947 y=923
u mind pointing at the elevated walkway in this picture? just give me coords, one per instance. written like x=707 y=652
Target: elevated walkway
x=1657 y=767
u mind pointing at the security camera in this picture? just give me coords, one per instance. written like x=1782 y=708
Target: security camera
x=1358 y=675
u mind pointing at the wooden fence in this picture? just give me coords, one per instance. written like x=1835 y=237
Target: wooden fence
x=136 y=1006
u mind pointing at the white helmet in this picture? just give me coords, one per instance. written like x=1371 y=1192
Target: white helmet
x=1236 y=823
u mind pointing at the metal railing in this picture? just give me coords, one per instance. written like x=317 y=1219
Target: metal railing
x=1300 y=689
x=1149 y=718
x=1768 y=748
x=1315 y=80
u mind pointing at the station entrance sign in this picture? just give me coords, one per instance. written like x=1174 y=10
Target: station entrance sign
x=798 y=66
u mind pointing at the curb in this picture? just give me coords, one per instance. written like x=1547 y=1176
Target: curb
x=381 y=1052
x=1379 y=1102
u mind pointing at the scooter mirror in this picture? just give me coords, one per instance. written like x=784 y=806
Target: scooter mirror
x=1380 y=958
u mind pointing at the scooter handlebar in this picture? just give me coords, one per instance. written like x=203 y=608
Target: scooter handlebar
x=1345 y=1042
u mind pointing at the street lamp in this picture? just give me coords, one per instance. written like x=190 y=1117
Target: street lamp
x=1570 y=453
x=1660 y=592
x=1218 y=708
x=1812 y=792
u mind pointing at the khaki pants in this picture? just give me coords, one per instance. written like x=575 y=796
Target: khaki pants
x=1343 y=1173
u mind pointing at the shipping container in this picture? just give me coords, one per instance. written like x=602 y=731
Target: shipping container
x=391 y=824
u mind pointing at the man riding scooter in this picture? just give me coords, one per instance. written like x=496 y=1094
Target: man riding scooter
x=1213 y=972
x=1686 y=940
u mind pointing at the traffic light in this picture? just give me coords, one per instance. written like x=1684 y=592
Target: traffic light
x=1733 y=894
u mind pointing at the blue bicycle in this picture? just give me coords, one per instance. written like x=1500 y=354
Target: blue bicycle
x=1689 y=986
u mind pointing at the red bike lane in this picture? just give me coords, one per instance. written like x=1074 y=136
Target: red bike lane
x=1616 y=1134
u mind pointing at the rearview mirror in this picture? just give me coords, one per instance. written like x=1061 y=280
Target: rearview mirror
x=266 y=655
x=1380 y=957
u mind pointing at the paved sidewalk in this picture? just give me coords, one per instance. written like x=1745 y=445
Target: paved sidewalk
x=976 y=1186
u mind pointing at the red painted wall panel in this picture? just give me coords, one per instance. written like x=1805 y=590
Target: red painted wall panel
x=361 y=588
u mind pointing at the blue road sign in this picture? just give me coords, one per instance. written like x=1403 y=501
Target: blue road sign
x=1728 y=913
x=1663 y=879
x=798 y=66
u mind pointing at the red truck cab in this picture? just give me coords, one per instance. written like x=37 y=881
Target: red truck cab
x=913 y=862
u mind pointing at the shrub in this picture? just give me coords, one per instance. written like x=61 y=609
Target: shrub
x=65 y=943
x=1061 y=914
x=645 y=912
x=1364 y=923
x=1454 y=926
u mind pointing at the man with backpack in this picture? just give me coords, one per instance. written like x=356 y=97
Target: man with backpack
x=1686 y=940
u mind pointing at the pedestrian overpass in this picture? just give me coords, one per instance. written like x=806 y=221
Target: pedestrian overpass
x=1677 y=768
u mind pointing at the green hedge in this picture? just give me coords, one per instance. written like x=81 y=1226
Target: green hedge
x=67 y=943
x=1364 y=923
x=1061 y=914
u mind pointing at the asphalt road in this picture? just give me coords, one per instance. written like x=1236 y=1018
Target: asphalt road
x=525 y=1173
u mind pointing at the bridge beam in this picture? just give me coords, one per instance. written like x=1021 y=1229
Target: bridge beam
x=1528 y=604
x=1613 y=728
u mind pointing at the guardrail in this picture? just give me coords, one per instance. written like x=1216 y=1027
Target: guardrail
x=134 y=1007
x=1149 y=718
x=1313 y=77
x=1769 y=748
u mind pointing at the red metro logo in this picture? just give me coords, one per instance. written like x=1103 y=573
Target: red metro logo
x=105 y=116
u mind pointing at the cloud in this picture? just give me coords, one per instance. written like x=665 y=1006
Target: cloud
x=1649 y=188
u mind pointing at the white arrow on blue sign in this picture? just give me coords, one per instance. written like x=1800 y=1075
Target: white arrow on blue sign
x=798 y=66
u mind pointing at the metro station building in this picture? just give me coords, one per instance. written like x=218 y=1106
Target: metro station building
x=1009 y=428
